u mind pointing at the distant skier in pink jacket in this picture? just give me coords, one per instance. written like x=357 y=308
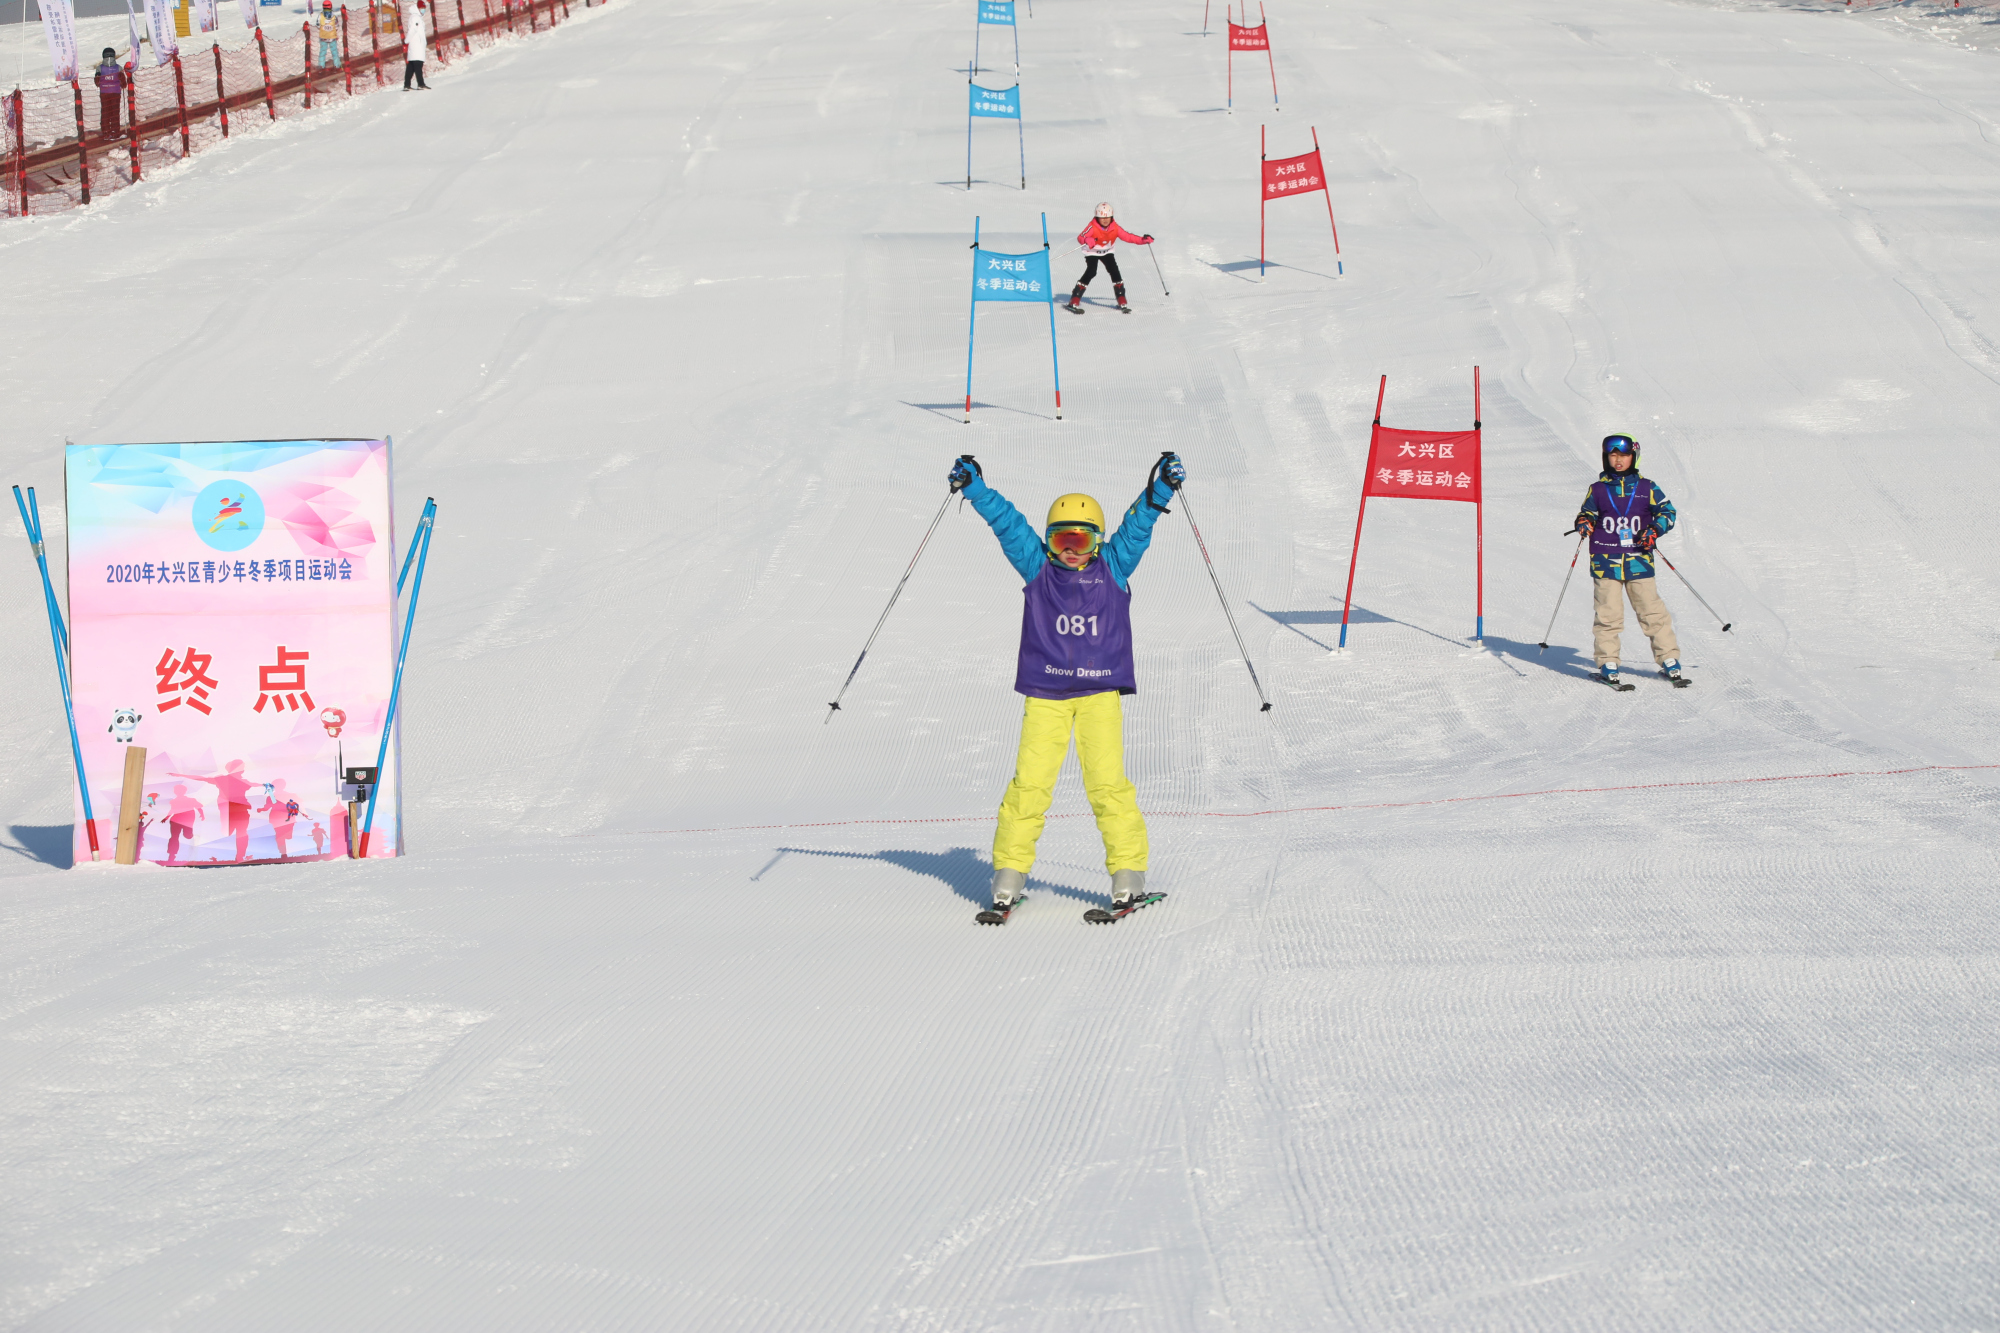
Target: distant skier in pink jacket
x=1097 y=238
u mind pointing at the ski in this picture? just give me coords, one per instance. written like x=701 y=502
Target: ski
x=1124 y=309
x=1073 y=309
x=997 y=916
x=1622 y=686
x=1679 y=682
x=1098 y=916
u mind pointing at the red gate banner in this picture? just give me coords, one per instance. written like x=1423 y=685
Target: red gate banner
x=1425 y=465
x=1242 y=38
x=1295 y=175
x=1248 y=39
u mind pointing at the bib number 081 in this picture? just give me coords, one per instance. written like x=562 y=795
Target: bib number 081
x=1076 y=624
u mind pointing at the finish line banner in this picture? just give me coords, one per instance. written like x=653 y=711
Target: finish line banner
x=233 y=609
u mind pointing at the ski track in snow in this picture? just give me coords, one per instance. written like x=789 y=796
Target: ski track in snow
x=666 y=307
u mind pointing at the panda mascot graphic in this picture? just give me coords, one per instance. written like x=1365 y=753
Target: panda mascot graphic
x=124 y=724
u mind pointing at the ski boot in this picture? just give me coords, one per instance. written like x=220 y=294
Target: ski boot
x=1127 y=885
x=1608 y=675
x=1118 y=289
x=1008 y=886
x=1671 y=669
x=1075 y=306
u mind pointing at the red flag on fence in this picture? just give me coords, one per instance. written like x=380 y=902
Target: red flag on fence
x=1250 y=39
x=1294 y=175
x=1425 y=465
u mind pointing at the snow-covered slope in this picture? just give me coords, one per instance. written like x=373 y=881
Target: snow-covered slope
x=1532 y=1006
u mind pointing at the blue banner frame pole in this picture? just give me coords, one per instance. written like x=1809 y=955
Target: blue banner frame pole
x=1021 y=135
x=59 y=639
x=1054 y=359
x=968 y=138
x=423 y=549
x=972 y=324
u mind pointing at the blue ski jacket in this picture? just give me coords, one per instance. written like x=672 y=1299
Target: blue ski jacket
x=1028 y=553
x=1624 y=504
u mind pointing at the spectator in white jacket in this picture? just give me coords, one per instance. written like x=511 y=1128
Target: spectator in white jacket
x=416 y=34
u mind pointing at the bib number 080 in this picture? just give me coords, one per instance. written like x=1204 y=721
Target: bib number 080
x=1076 y=625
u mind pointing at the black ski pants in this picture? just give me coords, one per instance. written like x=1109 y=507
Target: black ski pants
x=1090 y=263
x=413 y=69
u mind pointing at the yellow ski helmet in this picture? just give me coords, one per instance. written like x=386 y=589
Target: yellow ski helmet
x=1077 y=509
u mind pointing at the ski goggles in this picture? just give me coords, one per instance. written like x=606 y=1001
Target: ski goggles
x=1073 y=539
x=1621 y=444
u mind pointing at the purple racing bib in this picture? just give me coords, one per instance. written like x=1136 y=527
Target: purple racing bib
x=1076 y=634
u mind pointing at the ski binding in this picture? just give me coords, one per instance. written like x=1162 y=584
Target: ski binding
x=1098 y=916
x=997 y=916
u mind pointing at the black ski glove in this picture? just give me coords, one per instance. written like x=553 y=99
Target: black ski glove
x=1145 y=240
x=963 y=471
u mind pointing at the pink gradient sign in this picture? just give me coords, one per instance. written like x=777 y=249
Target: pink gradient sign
x=232 y=610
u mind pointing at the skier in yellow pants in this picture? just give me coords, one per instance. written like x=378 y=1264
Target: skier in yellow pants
x=1075 y=661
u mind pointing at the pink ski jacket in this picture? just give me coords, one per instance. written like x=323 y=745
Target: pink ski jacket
x=1097 y=239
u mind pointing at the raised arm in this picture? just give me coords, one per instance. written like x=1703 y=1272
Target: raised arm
x=1135 y=533
x=1018 y=540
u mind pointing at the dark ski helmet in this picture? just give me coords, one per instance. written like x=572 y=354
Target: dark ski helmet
x=1621 y=444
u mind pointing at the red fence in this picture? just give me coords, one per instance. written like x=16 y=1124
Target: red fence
x=58 y=154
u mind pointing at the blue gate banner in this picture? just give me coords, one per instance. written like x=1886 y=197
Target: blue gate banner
x=1000 y=12
x=1000 y=103
x=998 y=277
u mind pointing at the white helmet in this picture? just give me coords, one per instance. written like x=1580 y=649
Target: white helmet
x=1104 y=210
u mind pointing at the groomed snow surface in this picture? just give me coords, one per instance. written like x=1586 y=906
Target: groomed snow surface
x=1537 y=1010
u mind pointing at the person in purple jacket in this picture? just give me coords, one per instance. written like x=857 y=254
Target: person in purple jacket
x=110 y=80
x=1075 y=663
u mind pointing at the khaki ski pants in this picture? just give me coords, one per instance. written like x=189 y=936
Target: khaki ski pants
x=1610 y=595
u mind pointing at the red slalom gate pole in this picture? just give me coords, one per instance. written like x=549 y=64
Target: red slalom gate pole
x=180 y=100
x=20 y=153
x=1263 y=197
x=82 y=153
x=264 y=59
x=1479 y=523
x=375 y=38
x=1354 y=556
x=132 y=113
x=463 y=35
x=1327 y=191
x=221 y=100
x=346 y=65
x=1265 y=19
x=1229 y=63
x=306 y=37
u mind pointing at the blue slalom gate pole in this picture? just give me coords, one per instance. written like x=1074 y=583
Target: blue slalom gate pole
x=973 y=323
x=1021 y=135
x=1054 y=360
x=968 y=140
x=59 y=638
x=422 y=547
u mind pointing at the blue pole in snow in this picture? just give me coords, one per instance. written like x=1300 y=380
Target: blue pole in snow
x=968 y=133
x=59 y=637
x=1020 y=134
x=396 y=690
x=973 y=323
x=1054 y=360
x=423 y=526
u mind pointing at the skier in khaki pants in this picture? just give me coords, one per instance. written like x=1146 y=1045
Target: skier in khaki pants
x=1626 y=515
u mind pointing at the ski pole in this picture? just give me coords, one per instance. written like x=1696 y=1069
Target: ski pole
x=1690 y=587
x=59 y=638
x=1157 y=269
x=1188 y=509
x=1581 y=537
x=937 y=518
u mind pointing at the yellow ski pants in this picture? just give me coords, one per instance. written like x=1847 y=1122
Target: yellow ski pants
x=1099 y=723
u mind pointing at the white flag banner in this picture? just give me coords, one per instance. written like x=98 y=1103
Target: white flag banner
x=59 y=24
x=160 y=19
x=132 y=30
x=249 y=8
x=205 y=19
